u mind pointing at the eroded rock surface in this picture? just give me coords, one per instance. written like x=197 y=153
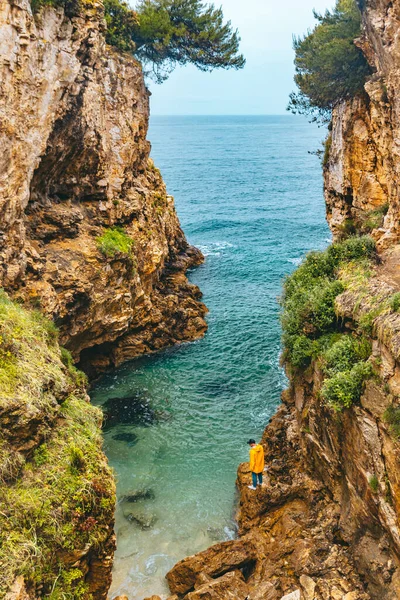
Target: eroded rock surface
x=75 y=162
x=362 y=173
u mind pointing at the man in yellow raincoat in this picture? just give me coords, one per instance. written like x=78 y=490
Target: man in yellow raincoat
x=256 y=463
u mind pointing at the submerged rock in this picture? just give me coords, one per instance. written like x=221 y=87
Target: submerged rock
x=130 y=438
x=143 y=518
x=130 y=497
x=129 y=410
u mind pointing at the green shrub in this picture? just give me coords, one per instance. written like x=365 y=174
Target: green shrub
x=327 y=150
x=312 y=311
x=316 y=265
x=374 y=218
x=348 y=228
x=300 y=350
x=329 y=67
x=392 y=417
x=309 y=295
x=374 y=483
x=114 y=241
x=345 y=388
x=395 y=302
x=345 y=353
x=353 y=248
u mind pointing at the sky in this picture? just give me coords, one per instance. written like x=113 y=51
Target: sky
x=263 y=86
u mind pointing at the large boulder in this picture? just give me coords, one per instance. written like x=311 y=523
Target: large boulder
x=217 y=560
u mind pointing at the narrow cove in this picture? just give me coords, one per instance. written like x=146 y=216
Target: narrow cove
x=249 y=195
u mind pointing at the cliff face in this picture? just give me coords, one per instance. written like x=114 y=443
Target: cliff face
x=362 y=172
x=75 y=163
x=75 y=174
x=326 y=525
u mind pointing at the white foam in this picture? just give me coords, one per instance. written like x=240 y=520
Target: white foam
x=295 y=261
x=215 y=248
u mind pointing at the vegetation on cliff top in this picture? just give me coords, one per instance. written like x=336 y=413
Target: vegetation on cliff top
x=311 y=329
x=56 y=492
x=329 y=67
x=165 y=33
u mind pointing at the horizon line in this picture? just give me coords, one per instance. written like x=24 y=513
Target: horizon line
x=285 y=114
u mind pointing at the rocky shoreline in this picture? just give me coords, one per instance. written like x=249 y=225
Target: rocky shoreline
x=76 y=164
x=326 y=525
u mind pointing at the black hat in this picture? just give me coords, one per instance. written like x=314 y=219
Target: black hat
x=251 y=442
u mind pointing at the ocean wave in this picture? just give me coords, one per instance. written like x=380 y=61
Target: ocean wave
x=215 y=248
x=295 y=261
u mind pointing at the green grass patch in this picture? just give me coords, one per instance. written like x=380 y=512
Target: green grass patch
x=31 y=370
x=114 y=241
x=374 y=483
x=374 y=218
x=56 y=498
x=395 y=302
x=391 y=416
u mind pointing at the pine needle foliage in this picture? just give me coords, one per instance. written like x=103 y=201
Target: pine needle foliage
x=166 y=33
x=329 y=66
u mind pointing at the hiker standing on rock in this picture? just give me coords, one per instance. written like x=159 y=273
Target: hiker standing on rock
x=256 y=463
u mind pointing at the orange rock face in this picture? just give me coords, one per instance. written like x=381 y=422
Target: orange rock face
x=75 y=162
x=362 y=172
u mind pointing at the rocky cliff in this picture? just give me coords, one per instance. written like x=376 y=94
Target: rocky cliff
x=74 y=167
x=89 y=238
x=326 y=524
x=363 y=164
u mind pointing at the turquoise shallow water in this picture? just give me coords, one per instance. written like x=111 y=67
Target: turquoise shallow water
x=249 y=194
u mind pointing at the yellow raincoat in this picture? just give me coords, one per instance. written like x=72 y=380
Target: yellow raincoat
x=257 y=459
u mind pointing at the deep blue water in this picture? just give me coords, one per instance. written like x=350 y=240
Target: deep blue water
x=249 y=195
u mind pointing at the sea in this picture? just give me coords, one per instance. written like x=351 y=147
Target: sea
x=248 y=191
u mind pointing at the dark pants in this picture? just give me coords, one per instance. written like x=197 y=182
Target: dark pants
x=254 y=476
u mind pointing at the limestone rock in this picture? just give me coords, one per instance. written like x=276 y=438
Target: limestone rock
x=264 y=591
x=75 y=162
x=230 y=586
x=292 y=596
x=217 y=560
x=308 y=586
x=17 y=590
